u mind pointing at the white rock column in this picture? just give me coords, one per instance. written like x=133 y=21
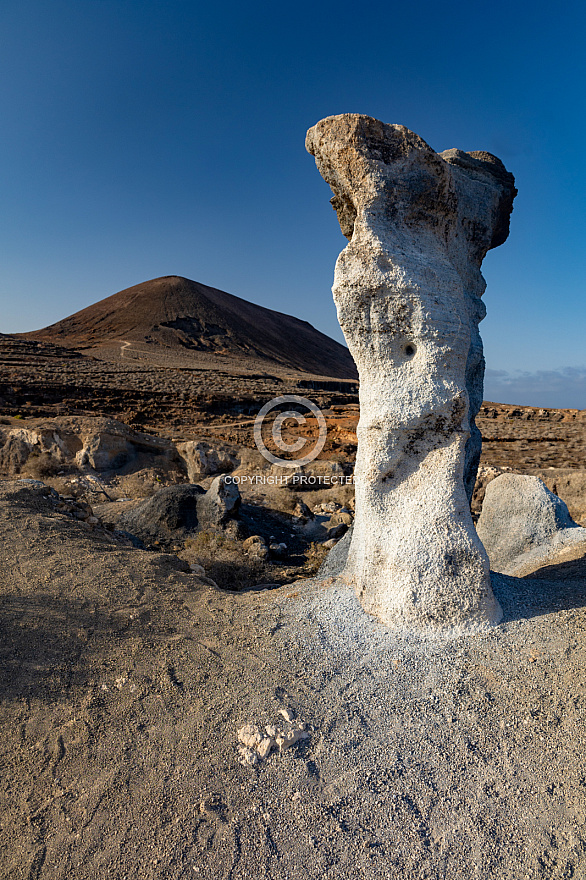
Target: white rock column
x=408 y=292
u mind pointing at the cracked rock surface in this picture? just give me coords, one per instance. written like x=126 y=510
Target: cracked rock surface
x=408 y=292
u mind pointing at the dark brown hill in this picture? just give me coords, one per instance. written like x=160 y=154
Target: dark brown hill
x=174 y=313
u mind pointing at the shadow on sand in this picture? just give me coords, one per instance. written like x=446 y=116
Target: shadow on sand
x=552 y=588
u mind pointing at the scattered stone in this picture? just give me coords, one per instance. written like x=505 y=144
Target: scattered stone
x=408 y=292
x=265 y=746
x=248 y=757
x=313 y=476
x=255 y=747
x=330 y=544
x=523 y=525
x=250 y=736
x=34 y=484
x=211 y=805
x=327 y=507
x=278 y=550
x=288 y=739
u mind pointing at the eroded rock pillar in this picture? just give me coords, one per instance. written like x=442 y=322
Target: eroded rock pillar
x=408 y=292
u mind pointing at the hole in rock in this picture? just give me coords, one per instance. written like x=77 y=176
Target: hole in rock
x=409 y=350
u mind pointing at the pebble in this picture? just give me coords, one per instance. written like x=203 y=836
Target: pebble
x=248 y=757
x=265 y=746
x=285 y=740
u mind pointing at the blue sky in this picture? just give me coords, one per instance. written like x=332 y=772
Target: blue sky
x=155 y=138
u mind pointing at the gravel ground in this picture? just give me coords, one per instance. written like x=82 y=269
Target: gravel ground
x=125 y=682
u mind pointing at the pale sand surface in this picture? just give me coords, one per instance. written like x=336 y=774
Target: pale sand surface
x=125 y=681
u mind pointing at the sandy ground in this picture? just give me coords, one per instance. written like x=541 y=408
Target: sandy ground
x=124 y=682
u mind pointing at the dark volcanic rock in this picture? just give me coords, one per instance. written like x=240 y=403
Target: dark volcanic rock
x=171 y=514
x=176 y=512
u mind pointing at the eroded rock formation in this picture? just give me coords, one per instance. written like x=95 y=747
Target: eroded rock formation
x=408 y=292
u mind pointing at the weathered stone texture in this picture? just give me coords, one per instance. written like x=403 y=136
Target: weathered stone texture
x=524 y=526
x=408 y=292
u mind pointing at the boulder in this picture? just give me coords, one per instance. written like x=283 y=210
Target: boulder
x=486 y=474
x=170 y=515
x=219 y=504
x=303 y=512
x=335 y=562
x=174 y=513
x=408 y=290
x=524 y=526
x=570 y=485
x=256 y=547
x=201 y=459
x=110 y=445
x=342 y=517
x=336 y=531
x=253 y=540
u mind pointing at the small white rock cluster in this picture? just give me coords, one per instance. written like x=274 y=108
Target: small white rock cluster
x=256 y=745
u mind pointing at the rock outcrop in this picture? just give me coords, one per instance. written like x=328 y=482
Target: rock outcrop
x=408 y=292
x=202 y=459
x=21 y=443
x=175 y=513
x=524 y=526
x=110 y=445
